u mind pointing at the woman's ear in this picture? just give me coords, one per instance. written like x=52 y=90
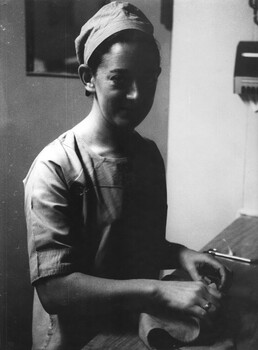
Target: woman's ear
x=87 y=78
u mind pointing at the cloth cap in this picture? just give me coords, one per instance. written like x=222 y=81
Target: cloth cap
x=110 y=19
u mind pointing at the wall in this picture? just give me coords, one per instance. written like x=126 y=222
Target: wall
x=212 y=157
x=33 y=111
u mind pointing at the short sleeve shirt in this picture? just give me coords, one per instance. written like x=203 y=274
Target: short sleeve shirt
x=95 y=215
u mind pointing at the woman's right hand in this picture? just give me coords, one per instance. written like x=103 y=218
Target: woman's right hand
x=187 y=297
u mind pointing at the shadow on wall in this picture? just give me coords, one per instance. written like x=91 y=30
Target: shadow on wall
x=16 y=303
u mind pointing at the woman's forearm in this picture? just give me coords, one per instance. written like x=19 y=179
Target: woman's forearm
x=82 y=293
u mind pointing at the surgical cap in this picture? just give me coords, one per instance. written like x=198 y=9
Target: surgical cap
x=110 y=19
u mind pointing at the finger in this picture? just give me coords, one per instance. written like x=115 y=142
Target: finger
x=219 y=268
x=215 y=304
x=229 y=278
x=199 y=312
x=208 y=306
x=205 y=316
x=193 y=272
x=208 y=295
x=214 y=292
x=211 y=295
x=222 y=273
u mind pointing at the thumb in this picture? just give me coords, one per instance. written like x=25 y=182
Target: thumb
x=193 y=272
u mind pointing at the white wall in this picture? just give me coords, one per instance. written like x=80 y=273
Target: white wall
x=212 y=164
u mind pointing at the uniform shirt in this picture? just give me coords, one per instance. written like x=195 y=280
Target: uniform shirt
x=95 y=215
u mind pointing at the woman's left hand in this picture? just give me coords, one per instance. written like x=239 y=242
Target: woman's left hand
x=196 y=264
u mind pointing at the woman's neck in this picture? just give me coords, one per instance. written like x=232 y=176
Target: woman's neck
x=104 y=138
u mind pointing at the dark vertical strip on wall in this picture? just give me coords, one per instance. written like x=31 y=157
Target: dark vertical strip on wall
x=29 y=20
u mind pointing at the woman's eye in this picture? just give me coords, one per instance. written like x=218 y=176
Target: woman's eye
x=150 y=79
x=118 y=80
x=121 y=81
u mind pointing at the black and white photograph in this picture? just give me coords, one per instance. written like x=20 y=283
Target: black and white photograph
x=129 y=174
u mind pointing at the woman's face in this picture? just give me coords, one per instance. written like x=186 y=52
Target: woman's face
x=125 y=84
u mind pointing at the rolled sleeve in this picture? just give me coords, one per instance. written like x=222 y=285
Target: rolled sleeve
x=51 y=245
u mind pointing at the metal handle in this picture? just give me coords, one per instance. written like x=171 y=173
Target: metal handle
x=227 y=256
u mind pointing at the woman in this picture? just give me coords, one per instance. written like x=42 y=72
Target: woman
x=95 y=199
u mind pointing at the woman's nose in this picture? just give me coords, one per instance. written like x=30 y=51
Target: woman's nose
x=133 y=91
